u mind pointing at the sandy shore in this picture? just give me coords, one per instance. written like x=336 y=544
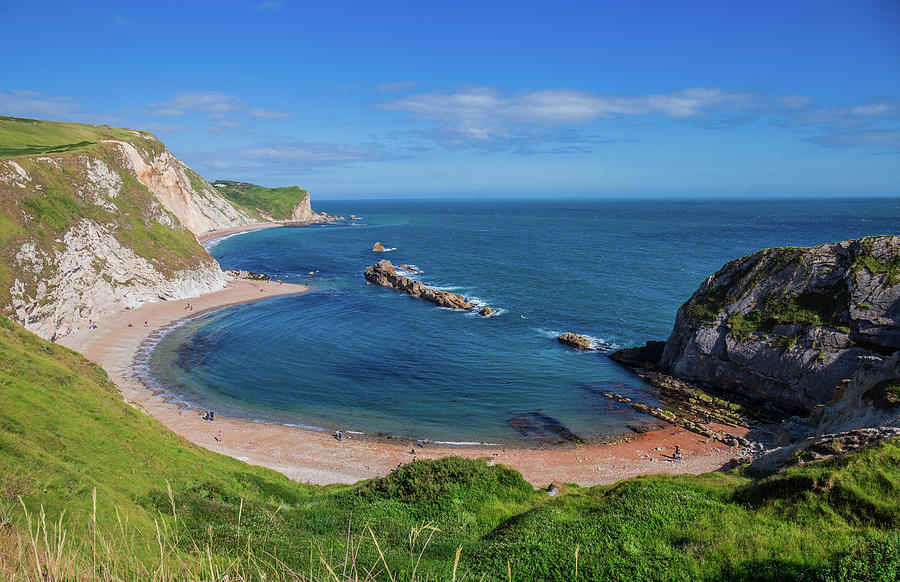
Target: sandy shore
x=212 y=235
x=317 y=457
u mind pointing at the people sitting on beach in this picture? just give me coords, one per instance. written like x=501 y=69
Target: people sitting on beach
x=209 y=415
x=339 y=435
x=677 y=456
x=130 y=324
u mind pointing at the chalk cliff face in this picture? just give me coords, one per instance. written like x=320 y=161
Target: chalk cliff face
x=101 y=225
x=196 y=204
x=303 y=212
x=786 y=326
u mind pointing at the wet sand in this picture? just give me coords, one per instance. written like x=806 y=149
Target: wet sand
x=318 y=457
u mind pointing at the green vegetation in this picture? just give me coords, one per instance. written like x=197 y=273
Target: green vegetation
x=53 y=199
x=30 y=137
x=139 y=503
x=879 y=267
x=276 y=203
x=884 y=394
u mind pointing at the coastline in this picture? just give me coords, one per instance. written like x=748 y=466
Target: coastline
x=317 y=457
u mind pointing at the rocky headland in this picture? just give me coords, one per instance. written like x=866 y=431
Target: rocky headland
x=805 y=334
x=383 y=273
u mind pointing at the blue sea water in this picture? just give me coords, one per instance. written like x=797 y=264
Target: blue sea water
x=363 y=358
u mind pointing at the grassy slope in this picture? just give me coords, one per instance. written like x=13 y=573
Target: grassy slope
x=65 y=431
x=275 y=202
x=54 y=208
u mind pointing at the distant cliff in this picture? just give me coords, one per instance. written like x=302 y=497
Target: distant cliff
x=94 y=218
x=785 y=326
x=285 y=203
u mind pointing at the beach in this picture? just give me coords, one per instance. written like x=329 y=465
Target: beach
x=318 y=457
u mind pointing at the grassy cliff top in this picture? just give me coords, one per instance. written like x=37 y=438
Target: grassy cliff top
x=30 y=137
x=64 y=431
x=259 y=200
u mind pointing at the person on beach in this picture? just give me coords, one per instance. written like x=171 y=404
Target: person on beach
x=219 y=437
x=339 y=435
x=677 y=456
x=146 y=324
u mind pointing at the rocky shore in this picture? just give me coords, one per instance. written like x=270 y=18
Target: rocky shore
x=798 y=336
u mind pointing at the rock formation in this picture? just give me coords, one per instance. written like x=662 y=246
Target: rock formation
x=486 y=311
x=378 y=247
x=383 y=273
x=103 y=226
x=786 y=325
x=575 y=340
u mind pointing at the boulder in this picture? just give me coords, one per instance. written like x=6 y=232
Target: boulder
x=575 y=340
x=486 y=311
x=378 y=247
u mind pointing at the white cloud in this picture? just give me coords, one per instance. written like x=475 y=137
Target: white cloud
x=290 y=157
x=889 y=139
x=214 y=103
x=121 y=20
x=31 y=103
x=485 y=112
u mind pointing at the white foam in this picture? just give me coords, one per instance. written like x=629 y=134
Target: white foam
x=389 y=250
x=213 y=242
x=463 y=443
x=597 y=343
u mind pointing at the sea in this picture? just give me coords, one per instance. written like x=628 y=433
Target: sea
x=367 y=359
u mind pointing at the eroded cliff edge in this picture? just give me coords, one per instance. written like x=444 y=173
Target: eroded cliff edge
x=104 y=222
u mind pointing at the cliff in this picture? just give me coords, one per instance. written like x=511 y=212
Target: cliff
x=785 y=326
x=94 y=218
x=289 y=203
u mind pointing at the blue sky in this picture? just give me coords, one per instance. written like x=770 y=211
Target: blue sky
x=493 y=98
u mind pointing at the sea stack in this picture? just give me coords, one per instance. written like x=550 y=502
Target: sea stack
x=378 y=247
x=383 y=273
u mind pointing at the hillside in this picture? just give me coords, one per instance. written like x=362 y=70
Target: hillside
x=94 y=218
x=285 y=203
x=169 y=510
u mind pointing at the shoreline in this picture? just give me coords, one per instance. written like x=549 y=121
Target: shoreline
x=315 y=456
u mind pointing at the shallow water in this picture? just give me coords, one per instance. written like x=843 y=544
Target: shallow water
x=350 y=356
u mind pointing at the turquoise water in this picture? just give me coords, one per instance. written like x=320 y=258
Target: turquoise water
x=356 y=357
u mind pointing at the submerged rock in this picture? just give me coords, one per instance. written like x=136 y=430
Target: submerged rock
x=383 y=273
x=378 y=247
x=576 y=341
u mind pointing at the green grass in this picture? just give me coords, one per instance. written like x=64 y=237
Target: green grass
x=29 y=137
x=64 y=433
x=275 y=202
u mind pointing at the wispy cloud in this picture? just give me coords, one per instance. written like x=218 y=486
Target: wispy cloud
x=290 y=157
x=214 y=103
x=268 y=114
x=268 y=6
x=872 y=138
x=395 y=87
x=32 y=103
x=486 y=117
x=121 y=20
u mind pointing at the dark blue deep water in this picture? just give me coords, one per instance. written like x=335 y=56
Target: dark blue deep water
x=369 y=359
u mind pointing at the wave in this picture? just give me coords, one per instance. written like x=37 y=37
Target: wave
x=211 y=243
x=387 y=250
x=597 y=343
x=463 y=443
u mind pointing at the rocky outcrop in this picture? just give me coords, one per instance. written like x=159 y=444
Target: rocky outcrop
x=107 y=225
x=378 y=247
x=303 y=211
x=383 y=273
x=92 y=274
x=575 y=340
x=190 y=198
x=785 y=326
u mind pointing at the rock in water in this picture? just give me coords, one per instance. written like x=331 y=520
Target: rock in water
x=785 y=326
x=575 y=340
x=378 y=247
x=486 y=311
x=383 y=273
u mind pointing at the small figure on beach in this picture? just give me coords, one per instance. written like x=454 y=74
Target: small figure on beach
x=209 y=415
x=677 y=455
x=219 y=437
x=130 y=324
x=146 y=324
x=339 y=435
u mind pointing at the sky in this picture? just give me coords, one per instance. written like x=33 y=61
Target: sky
x=486 y=98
